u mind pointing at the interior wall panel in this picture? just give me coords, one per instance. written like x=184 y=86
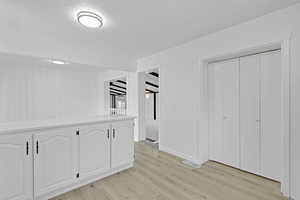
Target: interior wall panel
x=41 y=93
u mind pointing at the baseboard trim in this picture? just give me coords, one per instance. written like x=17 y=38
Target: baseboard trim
x=176 y=153
x=191 y=164
x=83 y=182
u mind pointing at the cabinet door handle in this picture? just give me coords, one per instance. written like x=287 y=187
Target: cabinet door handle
x=27 y=148
x=107 y=133
x=37 y=147
x=114 y=134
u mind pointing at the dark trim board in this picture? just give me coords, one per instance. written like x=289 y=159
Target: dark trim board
x=154 y=103
x=151 y=140
x=116 y=94
x=150 y=91
x=152 y=84
x=116 y=90
x=154 y=74
x=114 y=85
x=113 y=101
x=120 y=81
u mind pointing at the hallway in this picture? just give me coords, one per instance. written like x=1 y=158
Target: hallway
x=160 y=176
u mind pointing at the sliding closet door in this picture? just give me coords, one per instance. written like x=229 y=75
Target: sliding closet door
x=250 y=113
x=225 y=115
x=271 y=138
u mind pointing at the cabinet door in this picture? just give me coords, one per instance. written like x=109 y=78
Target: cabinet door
x=54 y=159
x=250 y=113
x=122 y=143
x=94 y=148
x=15 y=167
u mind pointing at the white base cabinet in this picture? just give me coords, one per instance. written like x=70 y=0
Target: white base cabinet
x=56 y=160
x=15 y=167
x=94 y=150
x=122 y=145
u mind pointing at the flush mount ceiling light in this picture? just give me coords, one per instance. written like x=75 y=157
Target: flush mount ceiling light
x=58 y=62
x=89 y=19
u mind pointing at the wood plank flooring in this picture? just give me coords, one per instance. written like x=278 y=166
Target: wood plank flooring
x=160 y=176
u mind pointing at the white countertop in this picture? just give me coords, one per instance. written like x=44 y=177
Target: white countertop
x=21 y=127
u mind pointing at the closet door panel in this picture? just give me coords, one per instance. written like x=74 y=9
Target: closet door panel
x=226 y=140
x=249 y=113
x=230 y=113
x=212 y=126
x=216 y=125
x=271 y=145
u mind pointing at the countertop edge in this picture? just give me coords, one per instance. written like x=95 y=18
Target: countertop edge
x=52 y=124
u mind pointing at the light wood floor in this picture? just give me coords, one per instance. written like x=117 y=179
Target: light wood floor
x=160 y=176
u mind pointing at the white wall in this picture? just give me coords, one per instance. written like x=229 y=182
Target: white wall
x=183 y=121
x=132 y=100
x=33 y=89
x=103 y=93
x=41 y=91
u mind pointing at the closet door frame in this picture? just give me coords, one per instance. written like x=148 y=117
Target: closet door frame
x=287 y=99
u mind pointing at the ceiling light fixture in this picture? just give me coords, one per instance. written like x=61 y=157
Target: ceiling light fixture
x=58 y=62
x=89 y=19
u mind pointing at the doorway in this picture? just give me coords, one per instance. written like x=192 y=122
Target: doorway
x=149 y=106
x=152 y=106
